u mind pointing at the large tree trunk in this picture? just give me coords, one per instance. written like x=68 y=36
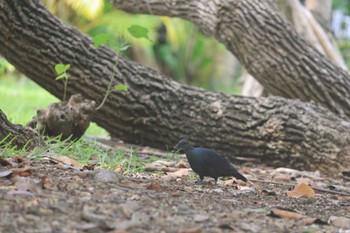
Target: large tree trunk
x=265 y=43
x=157 y=111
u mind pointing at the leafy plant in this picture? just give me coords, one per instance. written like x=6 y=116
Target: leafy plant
x=104 y=38
x=100 y=39
x=61 y=71
x=139 y=32
x=121 y=87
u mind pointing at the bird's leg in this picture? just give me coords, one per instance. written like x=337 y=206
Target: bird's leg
x=200 y=180
x=216 y=180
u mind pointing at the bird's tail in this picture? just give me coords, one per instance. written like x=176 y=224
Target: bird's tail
x=239 y=176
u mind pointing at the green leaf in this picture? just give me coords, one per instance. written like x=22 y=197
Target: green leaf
x=60 y=68
x=138 y=32
x=61 y=76
x=100 y=39
x=121 y=87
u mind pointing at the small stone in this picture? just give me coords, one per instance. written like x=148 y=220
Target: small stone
x=105 y=176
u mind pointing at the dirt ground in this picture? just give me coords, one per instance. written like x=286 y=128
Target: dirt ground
x=41 y=196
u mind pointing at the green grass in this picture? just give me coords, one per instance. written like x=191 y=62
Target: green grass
x=20 y=98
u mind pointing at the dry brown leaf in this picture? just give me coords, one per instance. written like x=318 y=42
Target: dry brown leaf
x=46 y=182
x=181 y=173
x=119 y=170
x=228 y=182
x=24 y=171
x=4 y=162
x=302 y=190
x=68 y=161
x=154 y=186
x=286 y=214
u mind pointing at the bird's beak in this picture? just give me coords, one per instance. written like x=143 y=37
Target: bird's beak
x=177 y=146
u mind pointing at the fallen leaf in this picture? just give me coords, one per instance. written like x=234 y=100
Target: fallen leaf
x=181 y=173
x=5 y=173
x=228 y=182
x=4 y=162
x=161 y=165
x=302 y=190
x=20 y=159
x=286 y=214
x=24 y=171
x=47 y=183
x=341 y=222
x=68 y=161
x=119 y=170
x=200 y=218
x=154 y=186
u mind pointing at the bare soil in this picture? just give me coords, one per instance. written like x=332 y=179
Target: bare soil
x=47 y=197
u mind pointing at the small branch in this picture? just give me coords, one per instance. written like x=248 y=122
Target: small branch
x=109 y=89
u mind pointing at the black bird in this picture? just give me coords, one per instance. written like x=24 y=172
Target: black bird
x=207 y=162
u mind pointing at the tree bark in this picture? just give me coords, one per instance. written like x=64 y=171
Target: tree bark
x=265 y=43
x=18 y=136
x=157 y=111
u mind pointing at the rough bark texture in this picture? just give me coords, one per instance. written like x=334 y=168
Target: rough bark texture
x=68 y=119
x=17 y=135
x=157 y=111
x=265 y=43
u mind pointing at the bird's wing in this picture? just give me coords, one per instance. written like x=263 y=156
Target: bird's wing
x=213 y=158
x=213 y=163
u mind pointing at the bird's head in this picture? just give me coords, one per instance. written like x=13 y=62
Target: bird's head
x=182 y=144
